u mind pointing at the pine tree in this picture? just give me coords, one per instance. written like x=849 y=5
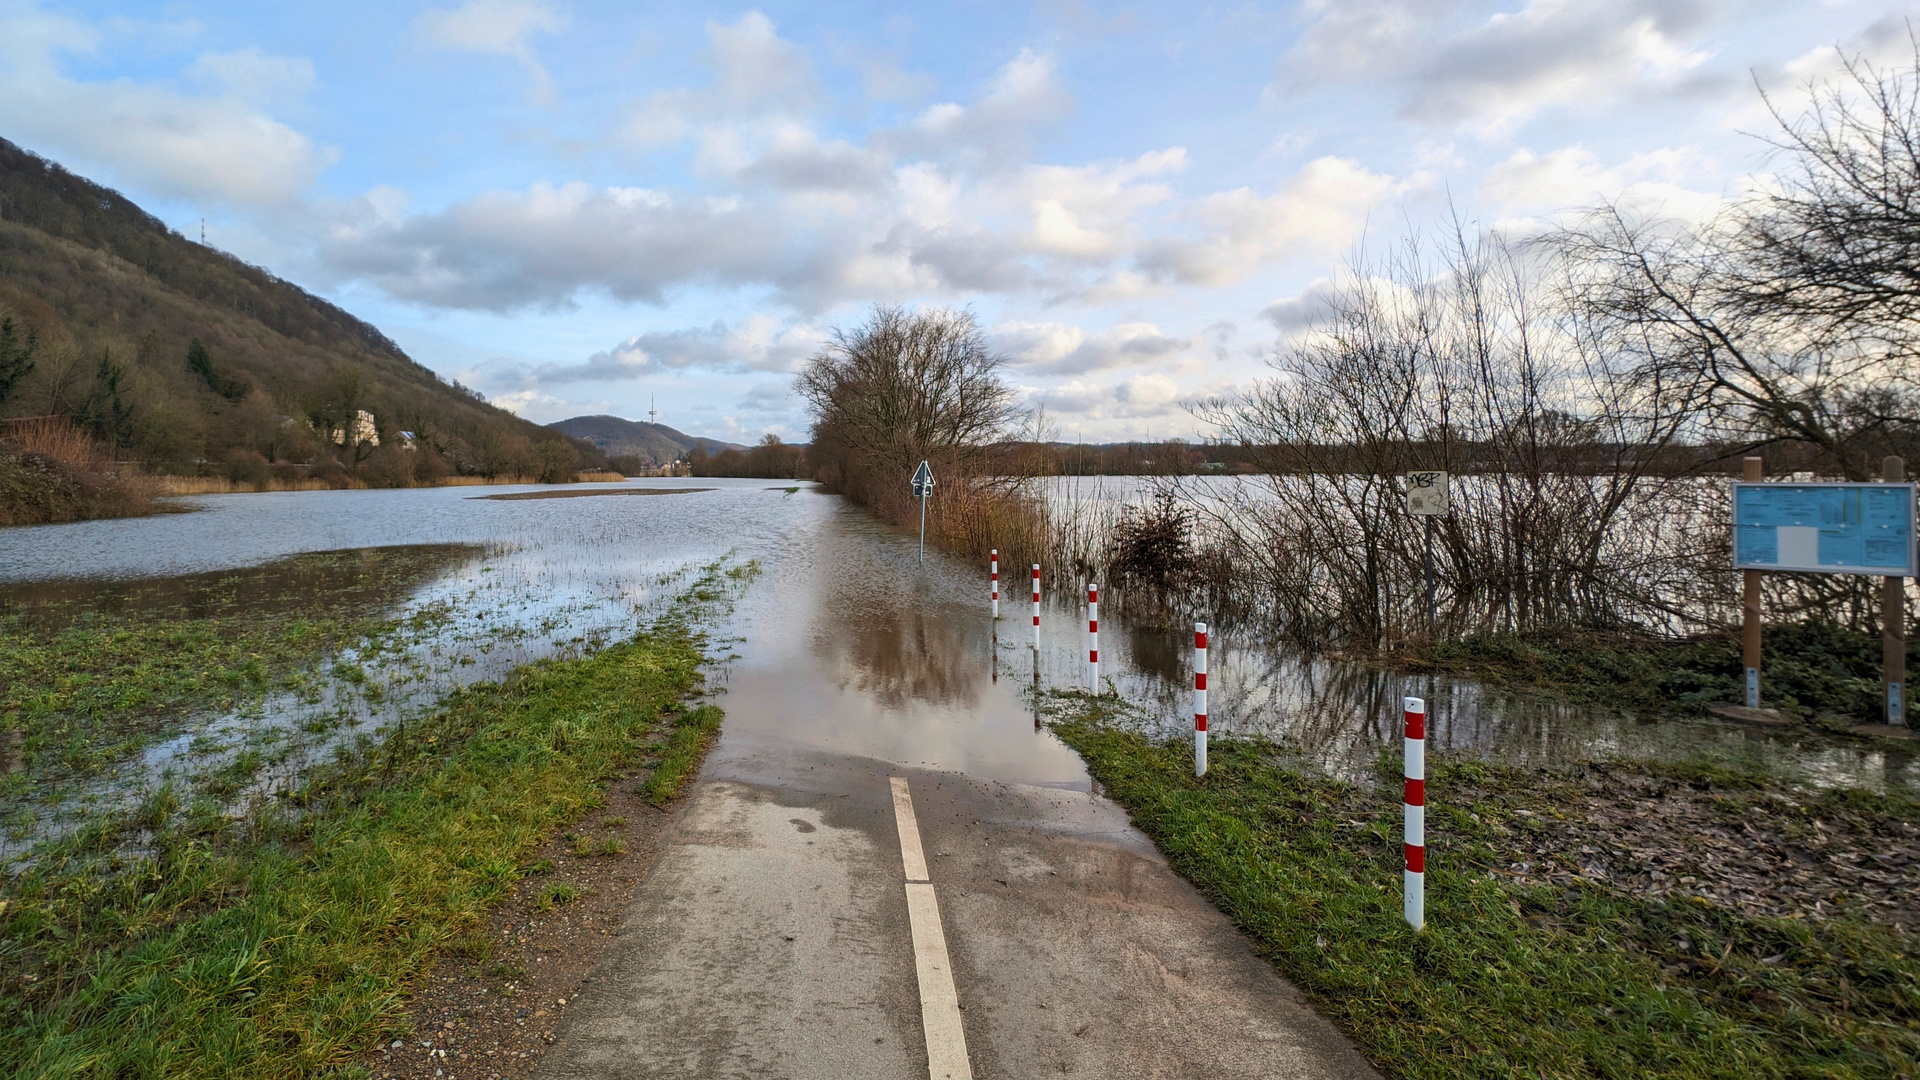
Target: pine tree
x=16 y=358
x=108 y=412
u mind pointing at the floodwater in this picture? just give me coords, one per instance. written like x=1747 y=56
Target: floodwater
x=846 y=642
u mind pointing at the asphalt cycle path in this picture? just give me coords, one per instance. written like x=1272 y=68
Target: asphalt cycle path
x=885 y=871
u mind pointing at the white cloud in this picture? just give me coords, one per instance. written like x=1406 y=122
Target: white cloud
x=1058 y=349
x=254 y=75
x=1318 y=210
x=1294 y=315
x=759 y=343
x=1573 y=178
x=497 y=28
x=539 y=247
x=1496 y=72
x=544 y=408
x=1142 y=397
x=1023 y=94
x=219 y=146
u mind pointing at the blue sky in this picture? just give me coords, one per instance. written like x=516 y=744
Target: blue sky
x=579 y=207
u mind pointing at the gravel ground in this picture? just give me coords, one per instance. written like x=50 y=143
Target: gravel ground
x=1767 y=853
x=490 y=1007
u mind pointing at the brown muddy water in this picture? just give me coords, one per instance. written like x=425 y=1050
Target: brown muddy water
x=845 y=641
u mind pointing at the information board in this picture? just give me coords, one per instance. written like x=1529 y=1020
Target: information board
x=1825 y=528
x=1427 y=494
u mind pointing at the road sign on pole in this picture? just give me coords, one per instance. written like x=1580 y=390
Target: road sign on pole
x=1427 y=498
x=923 y=487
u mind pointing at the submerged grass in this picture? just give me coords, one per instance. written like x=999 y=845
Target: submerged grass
x=1510 y=978
x=89 y=671
x=180 y=942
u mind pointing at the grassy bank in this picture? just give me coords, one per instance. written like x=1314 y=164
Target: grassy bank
x=1816 y=669
x=184 y=942
x=1578 y=925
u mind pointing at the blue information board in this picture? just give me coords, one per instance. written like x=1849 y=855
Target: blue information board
x=1825 y=528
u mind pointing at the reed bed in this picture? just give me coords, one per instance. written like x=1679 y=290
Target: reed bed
x=51 y=471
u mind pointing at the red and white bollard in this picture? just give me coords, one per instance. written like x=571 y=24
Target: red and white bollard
x=1199 y=699
x=996 y=583
x=1093 y=638
x=1036 y=607
x=1414 y=904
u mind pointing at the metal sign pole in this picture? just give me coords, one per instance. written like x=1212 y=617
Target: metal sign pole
x=923 y=487
x=1432 y=617
x=1893 y=619
x=1752 y=470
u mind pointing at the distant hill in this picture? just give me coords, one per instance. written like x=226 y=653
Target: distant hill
x=116 y=300
x=657 y=443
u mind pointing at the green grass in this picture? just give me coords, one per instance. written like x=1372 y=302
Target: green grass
x=693 y=731
x=1508 y=980
x=1814 y=667
x=281 y=944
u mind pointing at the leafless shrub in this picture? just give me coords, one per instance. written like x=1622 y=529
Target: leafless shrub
x=1448 y=364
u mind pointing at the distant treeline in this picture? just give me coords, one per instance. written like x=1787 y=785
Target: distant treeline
x=770 y=459
x=774 y=459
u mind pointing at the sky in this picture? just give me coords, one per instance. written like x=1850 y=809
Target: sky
x=581 y=207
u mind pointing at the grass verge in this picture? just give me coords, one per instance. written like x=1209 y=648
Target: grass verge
x=1548 y=974
x=184 y=943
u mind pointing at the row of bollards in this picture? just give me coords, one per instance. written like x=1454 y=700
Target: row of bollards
x=1414 y=808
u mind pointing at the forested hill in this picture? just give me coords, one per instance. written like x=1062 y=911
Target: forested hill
x=656 y=444
x=116 y=301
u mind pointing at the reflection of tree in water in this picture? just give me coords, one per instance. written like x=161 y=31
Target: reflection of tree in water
x=1337 y=712
x=881 y=633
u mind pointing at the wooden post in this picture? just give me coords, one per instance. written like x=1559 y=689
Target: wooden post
x=1752 y=471
x=1893 y=619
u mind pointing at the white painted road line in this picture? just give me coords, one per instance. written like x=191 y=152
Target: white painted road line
x=910 y=854
x=939 y=1003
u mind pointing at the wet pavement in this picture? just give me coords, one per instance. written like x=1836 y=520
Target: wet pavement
x=772 y=937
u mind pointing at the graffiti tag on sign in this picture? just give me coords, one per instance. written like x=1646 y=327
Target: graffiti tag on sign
x=1427 y=494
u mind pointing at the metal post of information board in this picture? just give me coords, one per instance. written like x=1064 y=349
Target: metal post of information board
x=1893 y=619
x=1432 y=615
x=1752 y=470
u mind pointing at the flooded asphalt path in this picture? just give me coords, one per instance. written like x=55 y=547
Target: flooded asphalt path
x=781 y=934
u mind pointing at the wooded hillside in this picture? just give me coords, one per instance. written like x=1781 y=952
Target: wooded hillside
x=188 y=360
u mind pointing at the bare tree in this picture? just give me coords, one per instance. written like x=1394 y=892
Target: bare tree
x=1792 y=321
x=903 y=386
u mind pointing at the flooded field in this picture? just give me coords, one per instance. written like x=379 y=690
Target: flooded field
x=845 y=642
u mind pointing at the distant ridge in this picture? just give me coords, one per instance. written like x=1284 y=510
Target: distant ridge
x=619 y=437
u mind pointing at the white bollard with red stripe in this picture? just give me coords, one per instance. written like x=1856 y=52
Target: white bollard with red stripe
x=996 y=583
x=1036 y=607
x=1199 y=699
x=1093 y=637
x=1414 y=904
